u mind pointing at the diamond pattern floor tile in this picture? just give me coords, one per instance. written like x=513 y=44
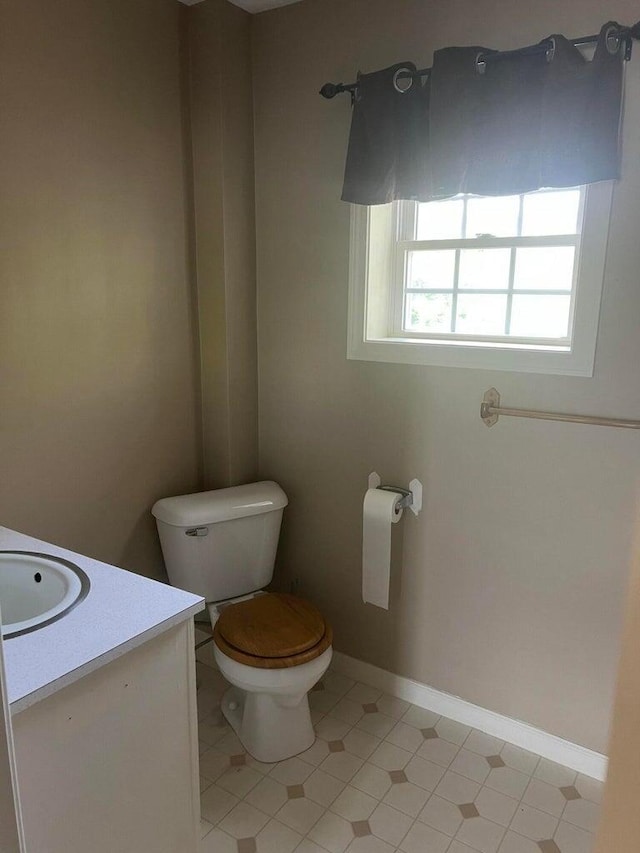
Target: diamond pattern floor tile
x=277 y=838
x=269 y=796
x=407 y=798
x=496 y=806
x=322 y=788
x=442 y=815
x=372 y=780
x=354 y=805
x=533 y=824
x=422 y=837
x=385 y=777
x=389 y=824
x=300 y=814
x=481 y=834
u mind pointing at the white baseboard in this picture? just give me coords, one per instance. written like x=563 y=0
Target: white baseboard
x=521 y=734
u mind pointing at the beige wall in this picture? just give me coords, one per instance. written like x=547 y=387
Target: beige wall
x=99 y=413
x=222 y=144
x=513 y=577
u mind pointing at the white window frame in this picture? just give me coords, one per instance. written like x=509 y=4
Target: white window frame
x=376 y=299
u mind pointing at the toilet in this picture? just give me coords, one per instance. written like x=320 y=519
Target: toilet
x=271 y=647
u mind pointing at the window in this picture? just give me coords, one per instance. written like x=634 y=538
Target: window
x=509 y=282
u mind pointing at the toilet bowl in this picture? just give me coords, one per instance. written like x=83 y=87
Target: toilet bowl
x=272 y=648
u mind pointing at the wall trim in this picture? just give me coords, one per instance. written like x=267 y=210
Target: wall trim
x=521 y=734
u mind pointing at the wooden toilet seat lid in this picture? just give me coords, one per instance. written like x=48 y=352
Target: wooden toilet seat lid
x=272 y=631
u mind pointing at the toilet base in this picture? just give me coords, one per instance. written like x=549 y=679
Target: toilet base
x=269 y=730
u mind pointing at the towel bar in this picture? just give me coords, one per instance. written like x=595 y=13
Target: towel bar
x=491 y=410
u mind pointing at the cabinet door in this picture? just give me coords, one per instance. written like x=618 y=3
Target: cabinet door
x=116 y=754
x=11 y=839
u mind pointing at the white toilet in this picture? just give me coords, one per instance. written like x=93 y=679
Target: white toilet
x=272 y=648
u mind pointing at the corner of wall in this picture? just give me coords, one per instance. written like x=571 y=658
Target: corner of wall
x=223 y=223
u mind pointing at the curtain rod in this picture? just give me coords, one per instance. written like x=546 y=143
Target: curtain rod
x=625 y=34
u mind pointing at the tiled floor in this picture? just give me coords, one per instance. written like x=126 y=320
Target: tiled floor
x=385 y=776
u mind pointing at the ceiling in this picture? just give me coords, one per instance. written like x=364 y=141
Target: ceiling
x=250 y=5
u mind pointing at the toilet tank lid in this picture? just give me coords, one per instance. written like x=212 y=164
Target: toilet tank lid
x=220 y=504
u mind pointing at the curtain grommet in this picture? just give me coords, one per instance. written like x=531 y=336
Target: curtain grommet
x=480 y=63
x=355 y=93
x=550 y=52
x=401 y=82
x=612 y=40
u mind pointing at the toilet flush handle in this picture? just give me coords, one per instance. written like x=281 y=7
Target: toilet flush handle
x=197 y=531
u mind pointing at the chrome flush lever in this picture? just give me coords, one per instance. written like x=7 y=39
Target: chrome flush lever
x=197 y=531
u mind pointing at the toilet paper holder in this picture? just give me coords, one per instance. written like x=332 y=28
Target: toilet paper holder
x=406 y=497
x=410 y=498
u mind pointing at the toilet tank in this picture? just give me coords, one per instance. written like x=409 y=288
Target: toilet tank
x=223 y=543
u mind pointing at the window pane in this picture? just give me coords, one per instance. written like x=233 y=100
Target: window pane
x=428 y=312
x=544 y=268
x=440 y=220
x=484 y=268
x=550 y=213
x=540 y=316
x=495 y=216
x=479 y=314
x=431 y=269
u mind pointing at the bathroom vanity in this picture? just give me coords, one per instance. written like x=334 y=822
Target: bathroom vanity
x=103 y=706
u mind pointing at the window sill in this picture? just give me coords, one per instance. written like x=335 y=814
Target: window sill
x=521 y=358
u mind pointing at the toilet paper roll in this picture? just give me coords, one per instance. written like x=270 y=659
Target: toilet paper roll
x=378 y=514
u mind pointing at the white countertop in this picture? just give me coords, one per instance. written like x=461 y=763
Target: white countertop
x=122 y=611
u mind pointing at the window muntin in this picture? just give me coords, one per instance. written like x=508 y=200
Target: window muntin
x=497 y=270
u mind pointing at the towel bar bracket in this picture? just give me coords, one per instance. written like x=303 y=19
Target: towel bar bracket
x=490 y=400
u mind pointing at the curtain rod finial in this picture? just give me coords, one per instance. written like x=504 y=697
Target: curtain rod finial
x=330 y=90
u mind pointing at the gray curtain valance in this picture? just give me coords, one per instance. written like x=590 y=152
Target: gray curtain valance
x=496 y=127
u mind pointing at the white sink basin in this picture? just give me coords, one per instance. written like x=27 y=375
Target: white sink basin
x=37 y=589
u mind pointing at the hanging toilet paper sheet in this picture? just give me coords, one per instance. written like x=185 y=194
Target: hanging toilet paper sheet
x=378 y=515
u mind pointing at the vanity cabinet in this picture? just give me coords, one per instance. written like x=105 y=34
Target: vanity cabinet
x=109 y=763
